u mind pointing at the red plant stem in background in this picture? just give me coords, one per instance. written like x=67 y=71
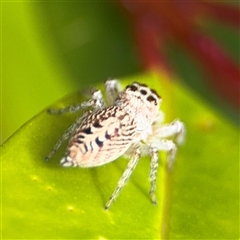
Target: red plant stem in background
x=155 y=22
x=149 y=45
x=225 y=13
x=223 y=72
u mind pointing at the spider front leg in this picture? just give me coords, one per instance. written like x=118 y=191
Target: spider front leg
x=170 y=148
x=175 y=128
x=65 y=136
x=96 y=102
x=124 y=178
x=153 y=173
x=167 y=146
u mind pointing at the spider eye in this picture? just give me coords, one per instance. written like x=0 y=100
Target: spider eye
x=143 y=92
x=151 y=98
x=132 y=88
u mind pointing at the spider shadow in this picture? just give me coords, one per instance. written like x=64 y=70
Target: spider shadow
x=96 y=176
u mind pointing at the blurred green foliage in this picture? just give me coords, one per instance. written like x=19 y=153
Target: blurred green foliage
x=54 y=48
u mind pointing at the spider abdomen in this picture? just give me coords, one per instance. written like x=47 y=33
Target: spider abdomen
x=102 y=137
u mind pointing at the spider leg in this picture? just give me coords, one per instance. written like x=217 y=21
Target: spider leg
x=112 y=88
x=153 y=173
x=124 y=178
x=176 y=128
x=96 y=102
x=167 y=146
x=65 y=136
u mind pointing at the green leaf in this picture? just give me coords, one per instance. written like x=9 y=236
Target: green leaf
x=198 y=199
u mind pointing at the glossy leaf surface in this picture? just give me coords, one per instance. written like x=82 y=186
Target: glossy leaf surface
x=198 y=199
